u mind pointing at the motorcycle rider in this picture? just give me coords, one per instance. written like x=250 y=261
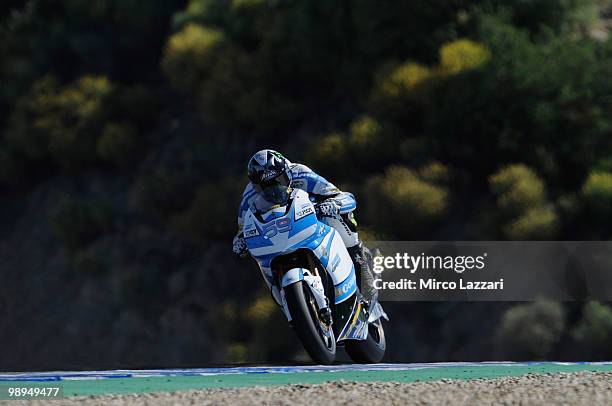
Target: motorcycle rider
x=271 y=174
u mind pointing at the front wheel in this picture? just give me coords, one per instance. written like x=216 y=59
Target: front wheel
x=372 y=349
x=317 y=338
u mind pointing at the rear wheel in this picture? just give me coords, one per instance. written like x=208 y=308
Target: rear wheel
x=372 y=349
x=318 y=338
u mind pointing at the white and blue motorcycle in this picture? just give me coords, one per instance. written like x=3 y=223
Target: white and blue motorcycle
x=312 y=277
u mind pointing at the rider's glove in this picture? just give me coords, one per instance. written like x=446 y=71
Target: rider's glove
x=327 y=208
x=240 y=247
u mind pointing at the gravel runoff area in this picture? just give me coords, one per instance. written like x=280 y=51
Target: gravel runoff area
x=582 y=388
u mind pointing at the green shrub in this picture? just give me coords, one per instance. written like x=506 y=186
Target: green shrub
x=530 y=331
x=365 y=134
x=402 y=91
x=404 y=188
x=522 y=202
x=230 y=87
x=77 y=223
x=236 y=93
x=597 y=192
x=189 y=56
x=118 y=144
x=62 y=123
x=329 y=155
x=594 y=331
x=82 y=104
x=415 y=29
x=370 y=144
x=517 y=188
x=436 y=173
x=405 y=80
x=402 y=202
x=67 y=37
x=537 y=223
x=527 y=104
x=462 y=55
x=237 y=353
x=262 y=309
x=331 y=147
x=25 y=133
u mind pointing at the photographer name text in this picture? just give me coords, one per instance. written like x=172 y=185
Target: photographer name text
x=433 y=284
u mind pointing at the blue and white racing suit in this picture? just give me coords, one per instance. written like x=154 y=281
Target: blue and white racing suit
x=319 y=189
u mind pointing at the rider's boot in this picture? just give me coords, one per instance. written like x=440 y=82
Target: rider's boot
x=360 y=258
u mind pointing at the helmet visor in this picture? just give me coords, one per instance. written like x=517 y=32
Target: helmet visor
x=275 y=190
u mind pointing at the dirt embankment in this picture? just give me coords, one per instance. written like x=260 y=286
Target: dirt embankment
x=583 y=388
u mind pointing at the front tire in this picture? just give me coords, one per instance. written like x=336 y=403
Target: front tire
x=372 y=349
x=318 y=341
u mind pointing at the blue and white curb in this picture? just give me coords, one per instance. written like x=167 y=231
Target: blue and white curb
x=147 y=373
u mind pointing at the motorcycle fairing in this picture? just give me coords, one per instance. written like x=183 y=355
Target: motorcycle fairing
x=300 y=229
x=285 y=229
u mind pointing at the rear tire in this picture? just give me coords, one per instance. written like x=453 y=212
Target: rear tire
x=372 y=349
x=306 y=323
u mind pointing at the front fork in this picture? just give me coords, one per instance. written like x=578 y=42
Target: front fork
x=314 y=283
